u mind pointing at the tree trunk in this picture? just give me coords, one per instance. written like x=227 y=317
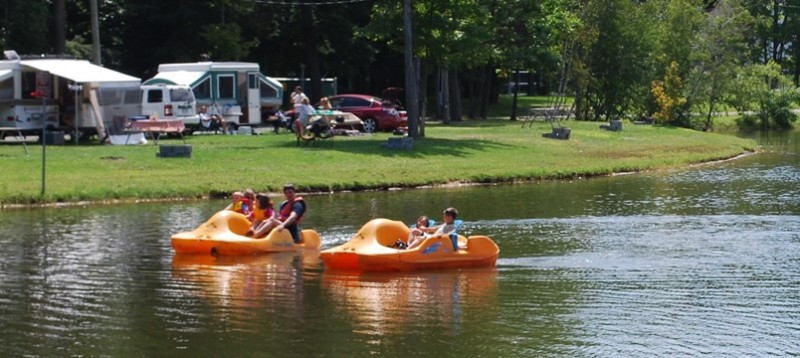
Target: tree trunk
x=60 y=17
x=95 y=32
x=711 y=102
x=472 y=93
x=488 y=90
x=445 y=80
x=411 y=78
x=423 y=96
x=455 y=97
x=516 y=94
x=312 y=55
x=579 y=115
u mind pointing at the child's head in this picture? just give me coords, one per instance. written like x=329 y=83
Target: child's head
x=250 y=194
x=236 y=196
x=450 y=215
x=423 y=221
x=263 y=201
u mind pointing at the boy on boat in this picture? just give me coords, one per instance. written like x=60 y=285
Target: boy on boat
x=449 y=227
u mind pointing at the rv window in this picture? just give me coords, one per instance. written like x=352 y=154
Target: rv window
x=267 y=91
x=155 y=96
x=28 y=84
x=252 y=81
x=225 y=86
x=7 y=89
x=109 y=96
x=180 y=95
x=203 y=89
x=133 y=96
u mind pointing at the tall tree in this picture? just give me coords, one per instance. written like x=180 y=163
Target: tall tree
x=60 y=26
x=721 y=45
x=614 y=49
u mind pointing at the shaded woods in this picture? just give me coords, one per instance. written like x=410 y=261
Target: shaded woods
x=615 y=57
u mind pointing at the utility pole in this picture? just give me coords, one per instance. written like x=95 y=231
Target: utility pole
x=411 y=78
x=95 y=32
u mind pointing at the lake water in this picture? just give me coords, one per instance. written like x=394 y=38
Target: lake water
x=697 y=261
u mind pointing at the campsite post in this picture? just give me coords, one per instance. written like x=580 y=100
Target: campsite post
x=43 y=91
x=76 y=88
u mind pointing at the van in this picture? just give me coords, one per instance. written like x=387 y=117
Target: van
x=170 y=102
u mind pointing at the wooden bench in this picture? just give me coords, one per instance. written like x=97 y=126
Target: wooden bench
x=157 y=127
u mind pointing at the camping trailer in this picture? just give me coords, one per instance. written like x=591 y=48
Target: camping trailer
x=236 y=90
x=38 y=92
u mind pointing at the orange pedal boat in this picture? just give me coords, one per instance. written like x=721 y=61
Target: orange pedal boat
x=224 y=234
x=370 y=250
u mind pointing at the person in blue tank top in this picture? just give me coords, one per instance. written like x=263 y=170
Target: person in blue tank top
x=449 y=227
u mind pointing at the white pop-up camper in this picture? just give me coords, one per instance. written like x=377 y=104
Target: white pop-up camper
x=70 y=95
x=236 y=90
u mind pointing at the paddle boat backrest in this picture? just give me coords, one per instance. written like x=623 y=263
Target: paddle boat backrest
x=454 y=234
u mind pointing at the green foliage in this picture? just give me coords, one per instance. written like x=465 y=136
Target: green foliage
x=79 y=48
x=763 y=89
x=25 y=26
x=614 y=47
x=224 y=42
x=717 y=57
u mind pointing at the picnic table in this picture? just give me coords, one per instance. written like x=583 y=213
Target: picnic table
x=346 y=119
x=19 y=134
x=156 y=127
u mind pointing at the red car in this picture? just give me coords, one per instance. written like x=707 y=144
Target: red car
x=376 y=113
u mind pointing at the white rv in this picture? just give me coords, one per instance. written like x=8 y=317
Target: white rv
x=169 y=102
x=65 y=94
x=236 y=90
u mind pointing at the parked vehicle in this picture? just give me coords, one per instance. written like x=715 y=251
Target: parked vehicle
x=240 y=92
x=377 y=114
x=170 y=102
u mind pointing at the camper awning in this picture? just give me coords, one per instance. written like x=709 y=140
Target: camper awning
x=80 y=71
x=176 y=78
x=5 y=74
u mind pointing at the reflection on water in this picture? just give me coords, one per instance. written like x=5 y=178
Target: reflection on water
x=694 y=261
x=240 y=286
x=385 y=303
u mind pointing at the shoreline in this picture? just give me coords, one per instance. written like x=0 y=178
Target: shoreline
x=450 y=184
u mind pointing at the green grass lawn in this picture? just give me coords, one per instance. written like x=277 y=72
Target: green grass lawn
x=470 y=151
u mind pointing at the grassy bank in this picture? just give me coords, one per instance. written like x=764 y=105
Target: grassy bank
x=472 y=151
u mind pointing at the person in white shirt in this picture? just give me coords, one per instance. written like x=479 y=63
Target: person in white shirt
x=212 y=121
x=298 y=96
x=304 y=113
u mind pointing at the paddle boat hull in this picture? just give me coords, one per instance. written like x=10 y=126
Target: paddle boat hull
x=224 y=234
x=370 y=250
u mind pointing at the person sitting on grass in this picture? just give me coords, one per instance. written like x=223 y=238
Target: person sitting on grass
x=447 y=228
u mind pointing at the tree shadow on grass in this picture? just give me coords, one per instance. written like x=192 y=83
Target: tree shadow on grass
x=423 y=148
